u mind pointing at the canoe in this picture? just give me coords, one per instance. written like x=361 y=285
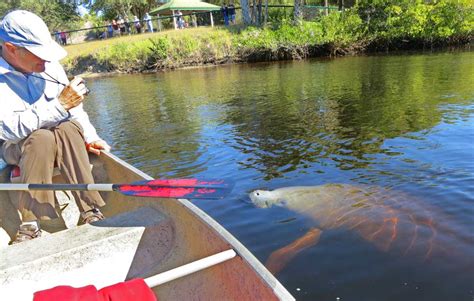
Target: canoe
x=181 y=251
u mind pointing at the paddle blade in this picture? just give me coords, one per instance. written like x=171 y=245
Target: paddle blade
x=177 y=188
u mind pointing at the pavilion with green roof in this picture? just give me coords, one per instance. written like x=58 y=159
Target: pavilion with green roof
x=188 y=6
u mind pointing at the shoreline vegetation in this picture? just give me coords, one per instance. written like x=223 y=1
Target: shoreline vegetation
x=414 y=26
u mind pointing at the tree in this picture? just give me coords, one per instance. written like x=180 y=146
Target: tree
x=266 y=12
x=55 y=13
x=111 y=9
x=340 y=4
x=244 y=4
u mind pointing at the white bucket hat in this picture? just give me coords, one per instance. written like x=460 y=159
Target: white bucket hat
x=25 y=29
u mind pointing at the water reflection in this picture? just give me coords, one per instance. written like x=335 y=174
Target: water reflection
x=290 y=116
x=339 y=113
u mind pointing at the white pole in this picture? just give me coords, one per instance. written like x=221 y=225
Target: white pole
x=190 y=268
x=174 y=20
x=159 y=22
x=212 y=20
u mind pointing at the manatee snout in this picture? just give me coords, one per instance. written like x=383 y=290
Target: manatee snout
x=261 y=198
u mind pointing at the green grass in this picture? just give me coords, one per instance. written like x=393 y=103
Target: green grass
x=93 y=47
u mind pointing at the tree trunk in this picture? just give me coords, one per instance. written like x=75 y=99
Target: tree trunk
x=341 y=4
x=266 y=12
x=159 y=22
x=259 y=12
x=298 y=13
x=244 y=5
x=174 y=20
x=326 y=9
x=254 y=11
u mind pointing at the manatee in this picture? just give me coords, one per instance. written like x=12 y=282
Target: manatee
x=391 y=220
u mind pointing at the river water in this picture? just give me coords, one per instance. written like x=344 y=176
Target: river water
x=402 y=122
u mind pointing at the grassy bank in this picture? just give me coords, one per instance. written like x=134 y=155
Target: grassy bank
x=413 y=25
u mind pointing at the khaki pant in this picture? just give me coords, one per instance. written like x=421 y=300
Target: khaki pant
x=37 y=155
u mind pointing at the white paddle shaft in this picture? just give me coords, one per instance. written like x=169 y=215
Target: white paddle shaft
x=190 y=268
x=26 y=187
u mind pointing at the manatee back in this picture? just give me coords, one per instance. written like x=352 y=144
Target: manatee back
x=305 y=199
x=391 y=220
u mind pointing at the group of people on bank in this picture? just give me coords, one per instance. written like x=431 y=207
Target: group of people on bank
x=180 y=23
x=228 y=13
x=123 y=26
x=60 y=37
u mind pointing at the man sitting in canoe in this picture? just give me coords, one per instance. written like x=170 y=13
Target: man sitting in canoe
x=42 y=121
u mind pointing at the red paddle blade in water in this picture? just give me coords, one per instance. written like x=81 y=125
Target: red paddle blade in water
x=177 y=188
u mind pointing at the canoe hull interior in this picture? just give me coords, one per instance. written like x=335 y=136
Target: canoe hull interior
x=141 y=237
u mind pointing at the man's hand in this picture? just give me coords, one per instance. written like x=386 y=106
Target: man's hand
x=97 y=146
x=73 y=94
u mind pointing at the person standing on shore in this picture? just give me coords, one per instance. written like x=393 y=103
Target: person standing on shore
x=180 y=19
x=127 y=25
x=121 y=24
x=231 y=11
x=110 y=30
x=148 y=22
x=63 y=37
x=138 y=26
x=57 y=37
x=225 y=14
x=115 y=27
x=42 y=122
